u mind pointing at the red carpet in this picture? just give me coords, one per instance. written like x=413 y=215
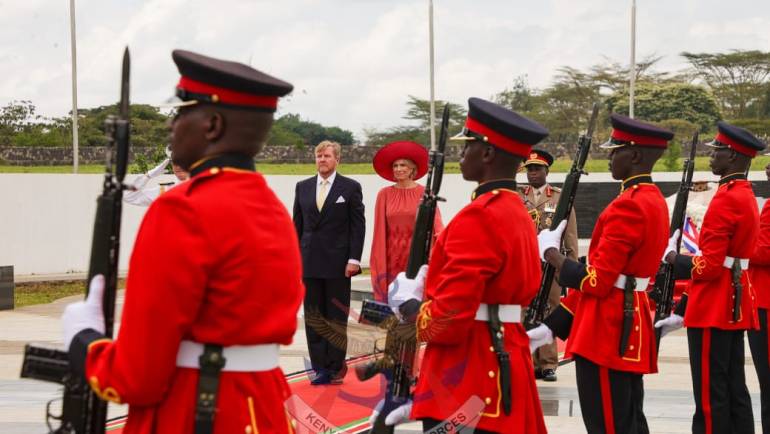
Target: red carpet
x=346 y=407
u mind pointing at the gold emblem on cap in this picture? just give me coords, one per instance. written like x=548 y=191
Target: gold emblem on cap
x=214 y=170
x=215 y=98
x=533 y=156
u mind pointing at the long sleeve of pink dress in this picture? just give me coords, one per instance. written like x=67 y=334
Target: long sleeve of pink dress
x=394 y=216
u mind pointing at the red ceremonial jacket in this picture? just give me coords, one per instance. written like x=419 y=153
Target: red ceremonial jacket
x=486 y=254
x=629 y=238
x=730 y=228
x=215 y=261
x=759 y=266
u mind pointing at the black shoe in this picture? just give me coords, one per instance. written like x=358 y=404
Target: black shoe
x=538 y=374
x=336 y=379
x=549 y=375
x=320 y=378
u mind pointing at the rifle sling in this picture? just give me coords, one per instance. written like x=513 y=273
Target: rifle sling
x=211 y=363
x=503 y=359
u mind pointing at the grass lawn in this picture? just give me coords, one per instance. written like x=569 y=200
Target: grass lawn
x=561 y=165
x=27 y=294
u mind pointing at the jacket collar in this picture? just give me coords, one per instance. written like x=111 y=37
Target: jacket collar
x=237 y=161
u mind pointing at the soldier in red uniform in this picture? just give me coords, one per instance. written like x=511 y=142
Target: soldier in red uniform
x=715 y=322
x=759 y=275
x=215 y=276
x=483 y=267
x=607 y=318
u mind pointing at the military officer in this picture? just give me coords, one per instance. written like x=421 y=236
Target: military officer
x=607 y=319
x=215 y=281
x=759 y=275
x=483 y=267
x=142 y=195
x=541 y=199
x=720 y=303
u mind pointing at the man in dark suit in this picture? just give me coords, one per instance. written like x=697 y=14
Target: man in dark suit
x=329 y=218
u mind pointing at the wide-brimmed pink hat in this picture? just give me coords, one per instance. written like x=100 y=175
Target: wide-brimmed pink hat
x=384 y=158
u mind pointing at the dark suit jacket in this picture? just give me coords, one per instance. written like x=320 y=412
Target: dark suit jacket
x=329 y=238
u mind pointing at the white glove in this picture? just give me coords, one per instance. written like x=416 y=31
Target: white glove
x=87 y=314
x=159 y=169
x=168 y=151
x=670 y=324
x=550 y=238
x=395 y=417
x=672 y=244
x=403 y=288
x=539 y=336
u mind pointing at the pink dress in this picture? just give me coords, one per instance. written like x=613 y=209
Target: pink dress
x=394 y=215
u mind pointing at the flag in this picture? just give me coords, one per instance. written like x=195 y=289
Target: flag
x=690 y=235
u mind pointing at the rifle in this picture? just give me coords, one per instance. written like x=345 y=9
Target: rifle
x=537 y=308
x=663 y=291
x=82 y=411
x=397 y=364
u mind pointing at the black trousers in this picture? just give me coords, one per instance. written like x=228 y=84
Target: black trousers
x=610 y=401
x=327 y=303
x=722 y=401
x=433 y=426
x=758 y=342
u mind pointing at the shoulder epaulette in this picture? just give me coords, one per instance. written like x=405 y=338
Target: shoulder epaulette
x=202 y=177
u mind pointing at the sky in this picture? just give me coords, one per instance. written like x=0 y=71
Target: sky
x=353 y=62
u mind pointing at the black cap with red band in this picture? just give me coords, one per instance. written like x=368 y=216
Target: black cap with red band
x=737 y=138
x=501 y=127
x=231 y=84
x=631 y=132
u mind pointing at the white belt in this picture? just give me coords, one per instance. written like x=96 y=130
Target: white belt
x=507 y=313
x=729 y=261
x=641 y=283
x=238 y=358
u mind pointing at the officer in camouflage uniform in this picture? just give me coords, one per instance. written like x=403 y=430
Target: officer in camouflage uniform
x=540 y=199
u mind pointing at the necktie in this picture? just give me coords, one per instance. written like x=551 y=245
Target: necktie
x=321 y=198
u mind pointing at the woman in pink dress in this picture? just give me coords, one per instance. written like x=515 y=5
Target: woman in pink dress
x=395 y=211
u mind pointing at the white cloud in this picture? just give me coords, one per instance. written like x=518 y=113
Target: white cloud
x=353 y=63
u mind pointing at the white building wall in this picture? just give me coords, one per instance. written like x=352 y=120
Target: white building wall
x=46 y=220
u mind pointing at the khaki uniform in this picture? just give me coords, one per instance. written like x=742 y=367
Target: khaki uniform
x=542 y=208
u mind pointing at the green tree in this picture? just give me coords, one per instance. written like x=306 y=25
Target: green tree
x=738 y=78
x=659 y=102
x=419 y=110
x=311 y=133
x=683 y=131
x=381 y=138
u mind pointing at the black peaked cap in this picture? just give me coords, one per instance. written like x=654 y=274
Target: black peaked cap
x=228 y=74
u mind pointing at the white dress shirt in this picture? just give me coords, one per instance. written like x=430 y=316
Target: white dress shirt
x=330 y=180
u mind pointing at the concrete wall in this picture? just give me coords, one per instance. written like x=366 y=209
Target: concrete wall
x=46 y=219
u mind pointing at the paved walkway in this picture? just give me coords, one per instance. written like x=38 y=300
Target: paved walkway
x=668 y=401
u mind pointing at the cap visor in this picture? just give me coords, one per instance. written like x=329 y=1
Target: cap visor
x=535 y=162
x=715 y=144
x=609 y=145
x=461 y=137
x=175 y=101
